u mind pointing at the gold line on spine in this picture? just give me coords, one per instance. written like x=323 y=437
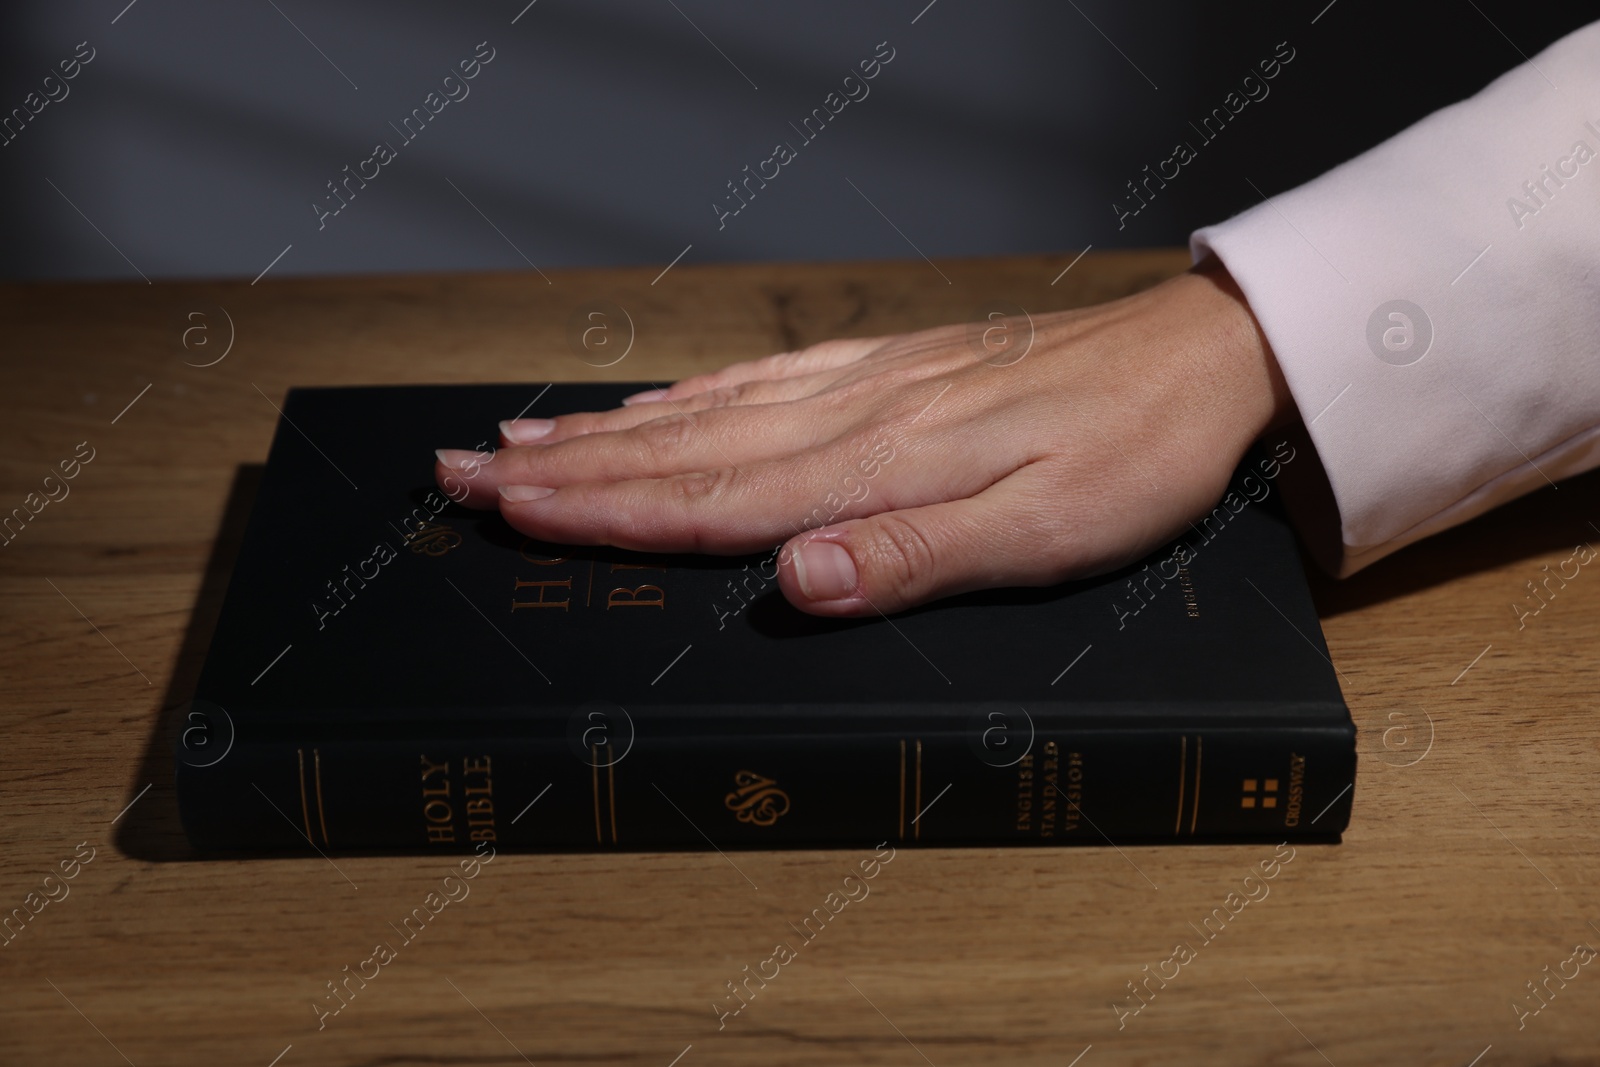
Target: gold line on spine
x=611 y=788
x=1199 y=750
x=916 y=830
x=594 y=766
x=1183 y=765
x=322 y=819
x=902 y=790
x=305 y=810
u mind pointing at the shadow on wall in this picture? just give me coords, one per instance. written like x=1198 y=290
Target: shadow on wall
x=199 y=137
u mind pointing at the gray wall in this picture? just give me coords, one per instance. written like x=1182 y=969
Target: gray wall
x=201 y=133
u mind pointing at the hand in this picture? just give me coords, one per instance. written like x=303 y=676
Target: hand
x=901 y=469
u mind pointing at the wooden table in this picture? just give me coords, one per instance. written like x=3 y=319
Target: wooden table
x=1472 y=865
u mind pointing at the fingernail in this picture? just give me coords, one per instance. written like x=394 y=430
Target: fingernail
x=524 y=431
x=825 y=571
x=648 y=394
x=518 y=493
x=462 y=458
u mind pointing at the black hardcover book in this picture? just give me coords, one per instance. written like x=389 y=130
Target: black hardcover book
x=392 y=672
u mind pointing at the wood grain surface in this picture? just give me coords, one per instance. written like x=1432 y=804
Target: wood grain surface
x=1471 y=869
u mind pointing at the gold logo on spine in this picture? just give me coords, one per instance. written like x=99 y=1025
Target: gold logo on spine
x=757 y=800
x=1269 y=787
x=433 y=539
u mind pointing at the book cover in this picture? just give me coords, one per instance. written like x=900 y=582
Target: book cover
x=392 y=672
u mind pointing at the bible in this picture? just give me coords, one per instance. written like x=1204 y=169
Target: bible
x=391 y=672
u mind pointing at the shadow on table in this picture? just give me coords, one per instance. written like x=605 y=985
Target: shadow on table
x=1546 y=521
x=151 y=829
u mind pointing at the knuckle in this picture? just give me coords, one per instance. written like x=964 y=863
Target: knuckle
x=830 y=349
x=903 y=551
x=695 y=384
x=711 y=380
x=810 y=358
x=865 y=393
x=887 y=387
x=665 y=439
x=727 y=395
x=804 y=360
x=867 y=449
x=702 y=487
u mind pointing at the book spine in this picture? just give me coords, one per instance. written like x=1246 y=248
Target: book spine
x=1059 y=785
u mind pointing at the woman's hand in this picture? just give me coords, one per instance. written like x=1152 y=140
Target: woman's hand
x=901 y=469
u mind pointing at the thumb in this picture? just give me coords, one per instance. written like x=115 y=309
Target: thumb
x=900 y=559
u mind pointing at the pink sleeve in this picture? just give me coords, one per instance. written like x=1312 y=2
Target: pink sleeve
x=1435 y=303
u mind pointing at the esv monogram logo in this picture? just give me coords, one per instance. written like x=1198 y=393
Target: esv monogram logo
x=433 y=539
x=757 y=800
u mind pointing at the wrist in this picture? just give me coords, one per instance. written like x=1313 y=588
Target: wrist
x=1242 y=358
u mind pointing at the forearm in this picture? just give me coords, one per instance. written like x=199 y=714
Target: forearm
x=1485 y=219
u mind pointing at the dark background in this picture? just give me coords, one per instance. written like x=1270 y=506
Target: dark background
x=602 y=132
